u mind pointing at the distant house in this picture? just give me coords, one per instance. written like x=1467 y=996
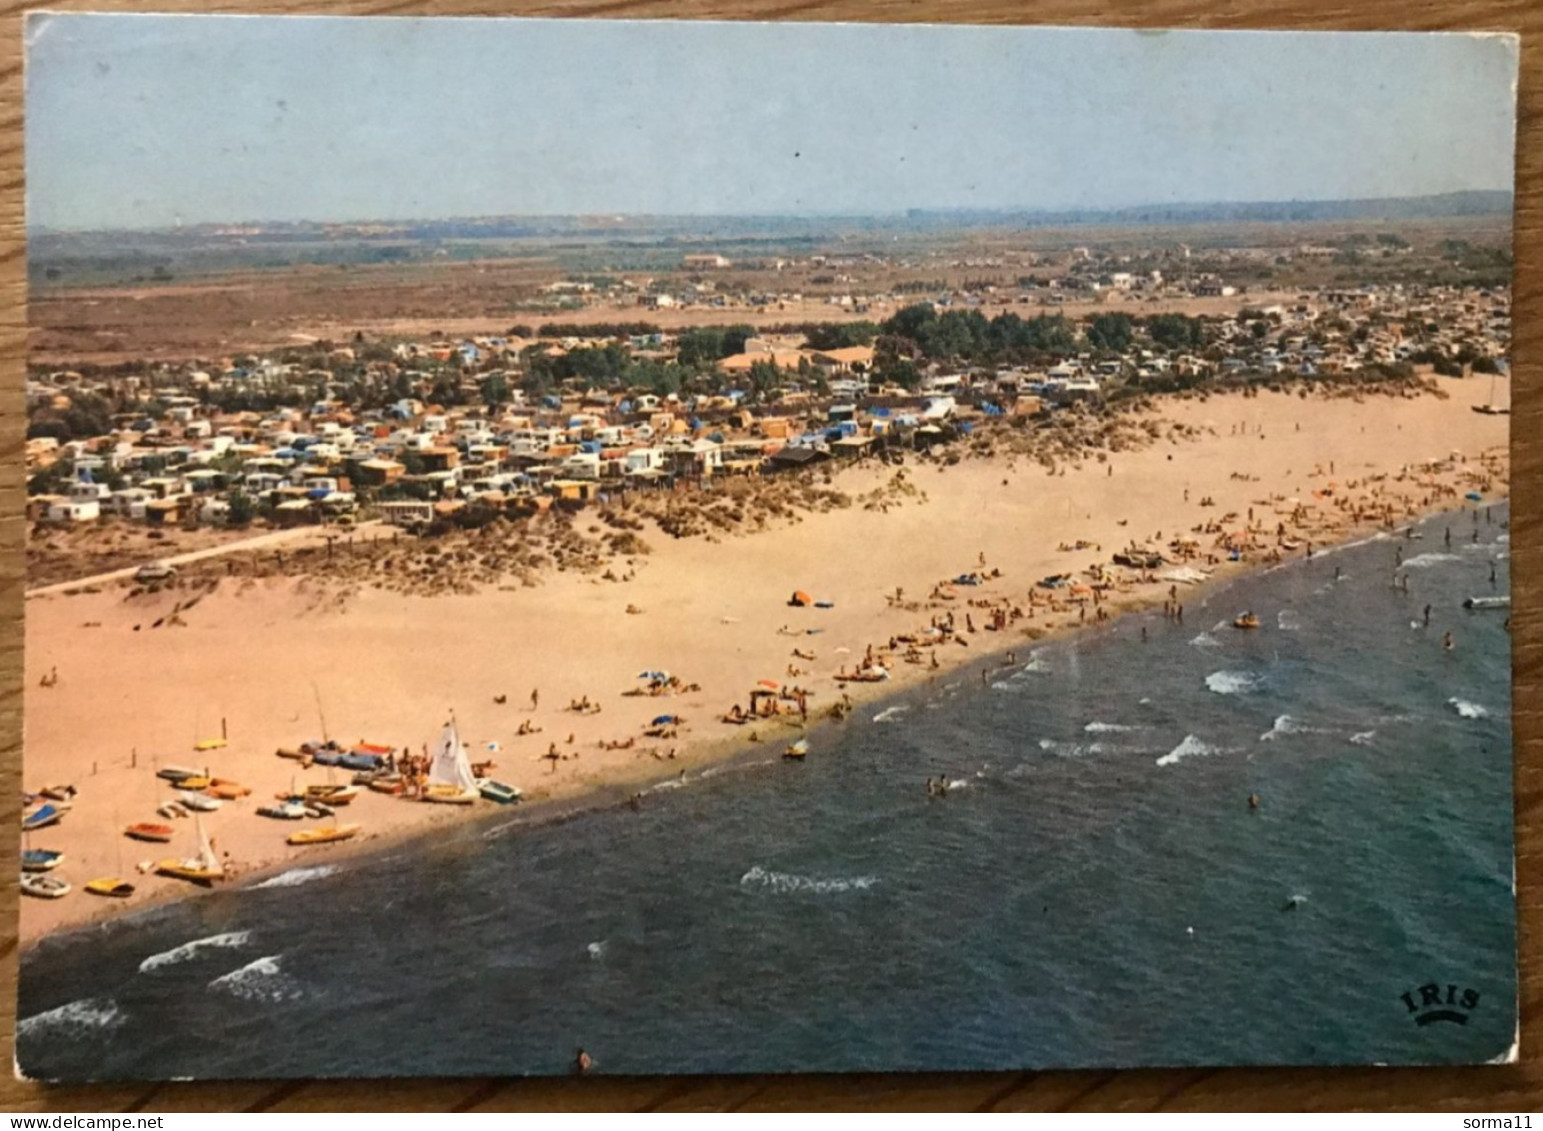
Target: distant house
x=407 y=512
x=378 y=472
x=850 y=359
x=74 y=510
x=703 y=262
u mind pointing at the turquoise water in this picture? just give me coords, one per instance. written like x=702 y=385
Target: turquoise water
x=1094 y=890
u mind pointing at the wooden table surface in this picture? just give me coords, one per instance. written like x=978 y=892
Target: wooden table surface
x=1516 y=1087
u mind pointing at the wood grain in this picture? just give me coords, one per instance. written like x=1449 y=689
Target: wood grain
x=1511 y=1088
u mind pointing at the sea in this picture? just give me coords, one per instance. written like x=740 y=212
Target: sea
x=1092 y=889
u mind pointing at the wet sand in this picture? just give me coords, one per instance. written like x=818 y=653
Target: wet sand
x=278 y=665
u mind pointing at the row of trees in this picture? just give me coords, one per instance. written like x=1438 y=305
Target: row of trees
x=921 y=331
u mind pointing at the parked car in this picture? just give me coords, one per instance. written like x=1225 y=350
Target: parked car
x=154 y=571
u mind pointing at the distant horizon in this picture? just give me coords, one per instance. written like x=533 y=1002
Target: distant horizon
x=139 y=122
x=890 y=214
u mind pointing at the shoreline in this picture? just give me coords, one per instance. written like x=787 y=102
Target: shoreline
x=722 y=755
x=401 y=658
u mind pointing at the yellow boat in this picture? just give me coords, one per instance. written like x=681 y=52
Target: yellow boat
x=205 y=868
x=227 y=790
x=199 y=782
x=209 y=744
x=449 y=794
x=111 y=887
x=331 y=794
x=323 y=836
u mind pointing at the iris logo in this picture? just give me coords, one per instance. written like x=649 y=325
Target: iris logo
x=1440 y=1003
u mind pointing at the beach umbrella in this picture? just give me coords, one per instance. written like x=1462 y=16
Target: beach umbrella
x=1473 y=496
x=769 y=684
x=663 y=720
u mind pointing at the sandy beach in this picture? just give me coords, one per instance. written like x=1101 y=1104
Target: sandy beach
x=276 y=661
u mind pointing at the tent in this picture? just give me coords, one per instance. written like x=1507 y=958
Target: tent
x=800 y=598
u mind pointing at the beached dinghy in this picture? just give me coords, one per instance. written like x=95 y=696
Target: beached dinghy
x=44 y=887
x=41 y=818
x=498 y=791
x=111 y=887
x=172 y=809
x=40 y=859
x=331 y=794
x=147 y=830
x=282 y=811
x=203 y=868
x=797 y=751
x=58 y=792
x=449 y=794
x=323 y=836
x=451 y=781
x=200 y=802
x=227 y=790
x=176 y=774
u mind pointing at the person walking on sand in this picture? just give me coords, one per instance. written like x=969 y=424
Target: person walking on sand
x=535 y=698
x=1447 y=643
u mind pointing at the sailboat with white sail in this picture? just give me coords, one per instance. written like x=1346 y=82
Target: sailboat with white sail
x=450 y=780
x=203 y=868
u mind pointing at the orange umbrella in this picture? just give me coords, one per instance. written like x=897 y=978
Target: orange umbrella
x=770 y=684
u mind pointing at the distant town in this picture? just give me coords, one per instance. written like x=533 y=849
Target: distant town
x=414 y=431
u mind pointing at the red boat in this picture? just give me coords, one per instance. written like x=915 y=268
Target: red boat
x=146 y=830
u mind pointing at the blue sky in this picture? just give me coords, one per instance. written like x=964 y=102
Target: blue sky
x=147 y=121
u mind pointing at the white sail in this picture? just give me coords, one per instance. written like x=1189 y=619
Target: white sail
x=450 y=766
x=206 y=858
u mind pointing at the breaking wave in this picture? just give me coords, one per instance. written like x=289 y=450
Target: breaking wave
x=1285 y=724
x=1425 y=561
x=1097 y=727
x=1288 y=621
x=1363 y=738
x=297 y=876
x=1468 y=710
x=261 y=980
x=889 y=713
x=783 y=883
x=1206 y=640
x=1036 y=663
x=1191 y=747
x=75 y=1019
x=1234 y=683
x=191 y=950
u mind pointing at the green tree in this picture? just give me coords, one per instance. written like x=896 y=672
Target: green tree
x=242 y=509
x=1111 y=332
x=701 y=346
x=495 y=390
x=1176 y=331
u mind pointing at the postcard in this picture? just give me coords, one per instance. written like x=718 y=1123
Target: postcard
x=663 y=547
